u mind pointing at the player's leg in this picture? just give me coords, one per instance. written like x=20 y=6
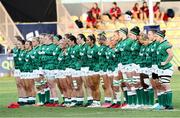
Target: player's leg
x=95 y=82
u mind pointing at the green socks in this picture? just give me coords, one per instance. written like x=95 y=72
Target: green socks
x=40 y=97
x=140 y=95
x=125 y=95
x=169 y=98
x=43 y=97
x=165 y=99
x=134 y=99
x=151 y=96
x=130 y=97
x=47 y=95
x=145 y=97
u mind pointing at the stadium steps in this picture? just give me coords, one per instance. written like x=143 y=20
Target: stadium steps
x=74 y=18
x=176 y=59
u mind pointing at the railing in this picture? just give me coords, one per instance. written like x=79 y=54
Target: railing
x=64 y=22
x=7 y=27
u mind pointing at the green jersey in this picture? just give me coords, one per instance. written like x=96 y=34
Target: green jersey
x=118 y=52
x=111 y=59
x=35 y=57
x=68 y=57
x=83 y=55
x=148 y=53
x=103 y=62
x=93 y=59
x=135 y=47
x=141 y=58
x=125 y=48
x=48 y=57
x=162 y=54
x=28 y=66
x=41 y=53
x=56 y=54
x=16 y=52
x=21 y=60
x=74 y=57
x=61 y=62
x=153 y=50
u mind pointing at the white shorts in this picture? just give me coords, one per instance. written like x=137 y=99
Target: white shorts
x=36 y=73
x=116 y=72
x=68 y=71
x=49 y=74
x=60 y=74
x=90 y=73
x=76 y=73
x=128 y=68
x=102 y=73
x=27 y=75
x=133 y=67
x=121 y=67
x=23 y=75
x=84 y=71
x=168 y=72
x=138 y=69
x=17 y=73
x=144 y=70
x=31 y=75
x=154 y=69
x=110 y=73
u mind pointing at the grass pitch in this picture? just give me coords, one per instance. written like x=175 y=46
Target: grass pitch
x=8 y=94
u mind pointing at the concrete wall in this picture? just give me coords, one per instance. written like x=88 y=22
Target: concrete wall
x=79 y=9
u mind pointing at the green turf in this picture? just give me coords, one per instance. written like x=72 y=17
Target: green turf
x=8 y=94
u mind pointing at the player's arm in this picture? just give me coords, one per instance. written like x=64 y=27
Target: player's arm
x=170 y=56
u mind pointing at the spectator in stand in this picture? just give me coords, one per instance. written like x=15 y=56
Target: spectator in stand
x=91 y=21
x=96 y=10
x=145 y=11
x=79 y=23
x=136 y=11
x=115 y=12
x=158 y=15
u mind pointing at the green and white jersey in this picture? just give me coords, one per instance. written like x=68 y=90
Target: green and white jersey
x=141 y=58
x=41 y=53
x=125 y=48
x=93 y=58
x=103 y=62
x=149 y=53
x=118 y=52
x=61 y=62
x=135 y=47
x=35 y=57
x=21 y=60
x=74 y=57
x=162 y=54
x=16 y=52
x=83 y=55
x=56 y=53
x=68 y=57
x=48 y=57
x=28 y=66
x=111 y=58
x=153 y=49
